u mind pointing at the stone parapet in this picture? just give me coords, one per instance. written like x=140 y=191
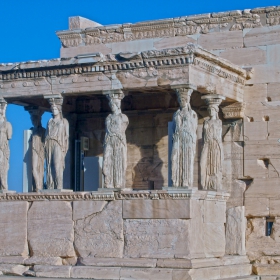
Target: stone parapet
x=112 y=235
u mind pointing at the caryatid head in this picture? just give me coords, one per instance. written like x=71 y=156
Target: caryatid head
x=213 y=101
x=56 y=106
x=3 y=107
x=184 y=96
x=115 y=101
x=35 y=115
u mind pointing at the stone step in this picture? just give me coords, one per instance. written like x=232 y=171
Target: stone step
x=252 y=277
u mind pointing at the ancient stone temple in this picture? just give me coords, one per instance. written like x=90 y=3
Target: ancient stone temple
x=162 y=155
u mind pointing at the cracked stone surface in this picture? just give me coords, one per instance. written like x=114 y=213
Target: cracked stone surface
x=13 y=224
x=157 y=238
x=50 y=229
x=101 y=234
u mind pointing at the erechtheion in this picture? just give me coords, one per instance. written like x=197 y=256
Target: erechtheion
x=162 y=157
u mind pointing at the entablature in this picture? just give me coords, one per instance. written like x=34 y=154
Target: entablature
x=96 y=73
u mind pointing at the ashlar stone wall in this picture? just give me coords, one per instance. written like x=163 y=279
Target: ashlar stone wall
x=73 y=236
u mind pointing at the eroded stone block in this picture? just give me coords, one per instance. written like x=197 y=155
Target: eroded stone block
x=13 y=269
x=52 y=271
x=214 y=239
x=147 y=274
x=50 y=229
x=82 y=209
x=245 y=56
x=156 y=238
x=262 y=36
x=274 y=207
x=43 y=261
x=101 y=234
x=221 y=40
x=13 y=259
x=258 y=244
x=13 y=224
x=214 y=211
x=266 y=269
x=88 y=272
x=256 y=207
x=135 y=262
x=156 y=209
x=235 y=231
x=235 y=270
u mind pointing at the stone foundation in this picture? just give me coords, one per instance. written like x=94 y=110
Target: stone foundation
x=123 y=235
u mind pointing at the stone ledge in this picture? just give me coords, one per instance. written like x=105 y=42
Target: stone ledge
x=120 y=195
x=161 y=273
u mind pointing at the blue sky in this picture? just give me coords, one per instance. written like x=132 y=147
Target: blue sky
x=28 y=33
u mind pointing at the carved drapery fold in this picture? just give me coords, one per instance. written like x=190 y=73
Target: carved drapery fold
x=212 y=155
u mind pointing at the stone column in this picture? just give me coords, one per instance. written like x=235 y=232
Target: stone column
x=5 y=136
x=184 y=139
x=56 y=144
x=115 y=147
x=212 y=155
x=37 y=147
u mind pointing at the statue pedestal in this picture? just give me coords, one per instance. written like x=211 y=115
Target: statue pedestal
x=7 y=191
x=55 y=191
x=113 y=189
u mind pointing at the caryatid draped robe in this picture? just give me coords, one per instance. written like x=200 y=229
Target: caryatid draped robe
x=212 y=155
x=115 y=151
x=56 y=146
x=184 y=147
x=5 y=136
x=38 y=156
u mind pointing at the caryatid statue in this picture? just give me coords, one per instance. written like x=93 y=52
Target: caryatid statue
x=37 y=144
x=212 y=156
x=184 y=140
x=56 y=145
x=5 y=136
x=115 y=148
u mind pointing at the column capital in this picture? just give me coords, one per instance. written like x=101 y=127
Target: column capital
x=234 y=111
x=184 y=86
x=213 y=99
x=34 y=110
x=113 y=94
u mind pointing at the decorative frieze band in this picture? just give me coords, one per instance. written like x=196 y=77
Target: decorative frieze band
x=234 y=111
x=232 y=21
x=73 y=196
x=151 y=60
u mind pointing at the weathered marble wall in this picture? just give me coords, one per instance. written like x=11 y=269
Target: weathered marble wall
x=71 y=235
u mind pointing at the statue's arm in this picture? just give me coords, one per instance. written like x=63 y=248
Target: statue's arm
x=125 y=119
x=9 y=131
x=66 y=125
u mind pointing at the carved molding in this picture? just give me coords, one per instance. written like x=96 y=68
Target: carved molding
x=205 y=23
x=234 y=111
x=120 y=195
x=170 y=58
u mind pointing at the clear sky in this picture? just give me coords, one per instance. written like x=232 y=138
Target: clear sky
x=28 y=33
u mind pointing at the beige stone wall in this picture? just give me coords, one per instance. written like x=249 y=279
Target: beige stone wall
x=73 y=236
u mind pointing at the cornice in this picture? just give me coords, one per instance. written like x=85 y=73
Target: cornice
x=189 y=54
